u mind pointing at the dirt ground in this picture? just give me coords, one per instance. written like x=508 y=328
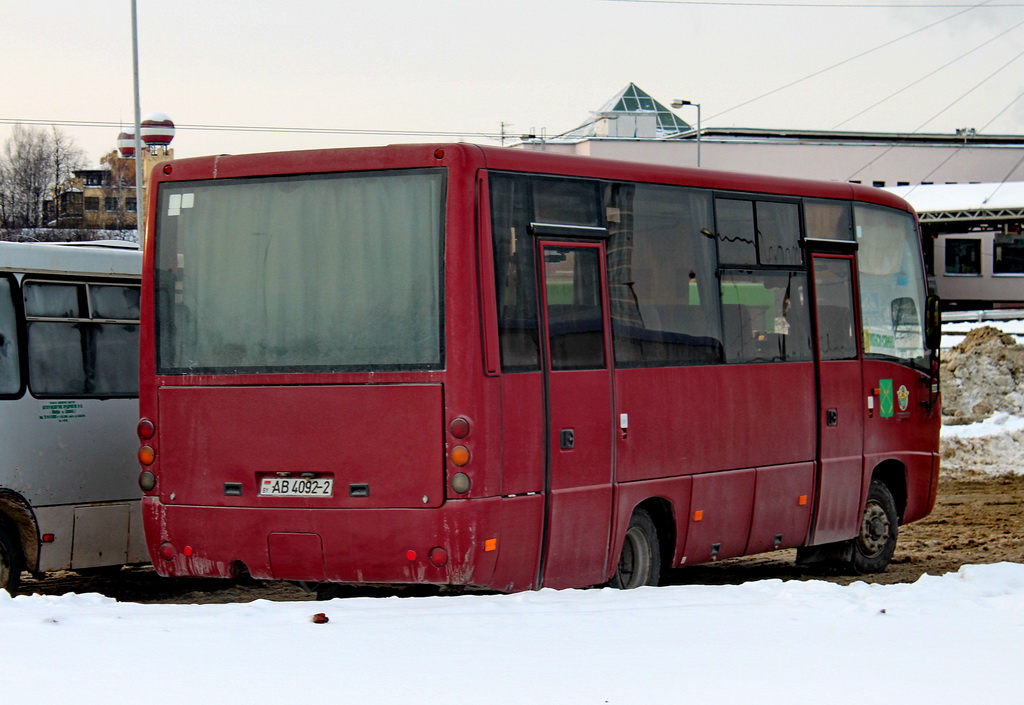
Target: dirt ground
x=975 y=521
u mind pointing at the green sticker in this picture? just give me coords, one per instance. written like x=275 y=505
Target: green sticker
x=885 y=401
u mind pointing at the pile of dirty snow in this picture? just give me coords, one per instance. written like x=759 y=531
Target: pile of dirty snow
x=983 y=405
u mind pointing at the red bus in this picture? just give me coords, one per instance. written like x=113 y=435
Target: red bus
x=483 y=367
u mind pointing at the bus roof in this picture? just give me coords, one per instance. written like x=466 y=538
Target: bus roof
x=507 y=159
x=82 y=258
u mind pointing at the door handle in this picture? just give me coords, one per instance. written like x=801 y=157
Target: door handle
x=567 y=439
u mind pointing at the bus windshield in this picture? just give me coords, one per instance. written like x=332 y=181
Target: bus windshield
x=318 y=273
x=891 y=285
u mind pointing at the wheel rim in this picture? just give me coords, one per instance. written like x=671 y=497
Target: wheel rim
x=874 y=530
x=635 y=563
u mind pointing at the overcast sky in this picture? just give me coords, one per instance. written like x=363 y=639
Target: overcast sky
x=467 y=66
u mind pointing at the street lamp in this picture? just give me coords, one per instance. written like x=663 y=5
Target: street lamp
x=681 y=103
x=140 y=204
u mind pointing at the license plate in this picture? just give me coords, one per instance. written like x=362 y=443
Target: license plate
x=297 y=487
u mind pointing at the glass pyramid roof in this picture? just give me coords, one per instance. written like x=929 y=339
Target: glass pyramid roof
x=632 y=100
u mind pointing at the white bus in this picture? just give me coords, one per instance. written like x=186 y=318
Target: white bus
x=69 y=329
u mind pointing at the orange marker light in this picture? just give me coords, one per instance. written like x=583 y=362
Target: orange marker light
x=491 y=545
x=801 y=500
x=459 y=456
x=147 y=455
x=698 y=515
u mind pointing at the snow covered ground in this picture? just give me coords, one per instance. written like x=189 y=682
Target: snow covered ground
x=944 y=639
x=983 y=399
x=956 y=638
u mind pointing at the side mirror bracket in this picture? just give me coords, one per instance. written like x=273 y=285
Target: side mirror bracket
x=933 y=322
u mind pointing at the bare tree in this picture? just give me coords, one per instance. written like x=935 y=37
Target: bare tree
x=65 y=158
x=33 y=165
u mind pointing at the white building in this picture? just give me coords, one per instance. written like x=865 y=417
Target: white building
x=976 y=236
x=636 y=127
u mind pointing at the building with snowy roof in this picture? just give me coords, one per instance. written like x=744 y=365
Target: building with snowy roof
x=634 y=126
x=974 y=237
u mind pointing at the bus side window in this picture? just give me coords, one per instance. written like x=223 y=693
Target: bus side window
x=10 y=367
x=514 y=273
x=765 y=316
x=70 y=353
x=661 y=276
x=737 y=239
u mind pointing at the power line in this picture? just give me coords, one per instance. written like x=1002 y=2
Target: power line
x=976 y=86
x=816 y=5
x=928 y=75
x=848 y=60
x=999 y=114
x=258 y=128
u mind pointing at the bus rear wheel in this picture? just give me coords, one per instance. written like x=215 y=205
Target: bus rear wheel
x=640 y=560
x=874 y=545
x=10 y=561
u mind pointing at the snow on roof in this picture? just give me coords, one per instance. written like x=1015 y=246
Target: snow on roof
x=930 y=198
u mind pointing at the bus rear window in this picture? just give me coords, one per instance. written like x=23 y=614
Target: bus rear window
x=337 y=272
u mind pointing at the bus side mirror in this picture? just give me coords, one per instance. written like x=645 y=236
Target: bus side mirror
x=933 y=322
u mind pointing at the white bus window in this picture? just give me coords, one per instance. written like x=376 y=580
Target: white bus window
x=115 y=370
x=47 y=300
x=114 y=302
x=70 y=352
x=10 y=376
x=55 y=363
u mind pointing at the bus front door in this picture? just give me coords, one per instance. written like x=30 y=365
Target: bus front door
x=841 y=421
x=578 y=478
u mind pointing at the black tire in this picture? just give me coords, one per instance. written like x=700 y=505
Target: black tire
x=874 y=545
x=11 y=561
x=640 y=559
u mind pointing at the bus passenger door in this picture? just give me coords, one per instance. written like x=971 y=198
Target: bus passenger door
x=841 y=401
x=578 y=479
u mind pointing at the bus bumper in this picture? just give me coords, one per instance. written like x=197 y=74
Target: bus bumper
x=456 y=544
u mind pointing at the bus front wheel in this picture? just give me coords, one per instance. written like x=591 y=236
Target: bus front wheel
x=640 y=560
x=874 y=545
x=10 y=560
